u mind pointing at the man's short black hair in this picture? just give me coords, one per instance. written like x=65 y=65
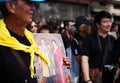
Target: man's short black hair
x=100 y=15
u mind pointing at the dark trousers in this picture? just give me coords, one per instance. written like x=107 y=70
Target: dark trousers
x=107 y=77
x=117 y=80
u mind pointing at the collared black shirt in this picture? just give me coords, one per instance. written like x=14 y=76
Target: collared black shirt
x=77 y=44
x=95 y=50
x=75 y=47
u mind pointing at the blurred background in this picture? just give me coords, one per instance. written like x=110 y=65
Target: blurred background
x=70 y=9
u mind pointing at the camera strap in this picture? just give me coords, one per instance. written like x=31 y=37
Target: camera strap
x=23 y=66
x=105 y=52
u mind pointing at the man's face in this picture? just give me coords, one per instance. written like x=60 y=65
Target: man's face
x=23 y=11
x=70 y=24
x=84 y=28
x=105 y=25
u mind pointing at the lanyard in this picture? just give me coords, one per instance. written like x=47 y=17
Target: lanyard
x=100 y=46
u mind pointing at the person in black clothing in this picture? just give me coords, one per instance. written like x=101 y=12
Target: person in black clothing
x=83 y=28
x=117 y=58
x=75 y=56
x=17 y=46
x=94 y=48
x=66 y=36
x=78 y=34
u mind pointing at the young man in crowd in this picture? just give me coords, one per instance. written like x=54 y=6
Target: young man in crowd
x=97 y=52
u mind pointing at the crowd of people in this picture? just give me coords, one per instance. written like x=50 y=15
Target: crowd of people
x=92 y=45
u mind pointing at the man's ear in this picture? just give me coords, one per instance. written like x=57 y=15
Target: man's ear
x=98 y=25
x=10 y=6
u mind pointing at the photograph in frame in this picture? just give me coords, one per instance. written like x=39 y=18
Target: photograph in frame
x=51 y=46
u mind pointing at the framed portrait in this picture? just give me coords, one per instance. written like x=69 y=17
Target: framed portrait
x=52 y=47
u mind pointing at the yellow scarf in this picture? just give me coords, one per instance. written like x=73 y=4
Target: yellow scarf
x=7 y=40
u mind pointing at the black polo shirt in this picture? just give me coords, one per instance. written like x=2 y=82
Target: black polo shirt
x=10 y=69
x=94 y=47
x=77 y=44
x=75 y=47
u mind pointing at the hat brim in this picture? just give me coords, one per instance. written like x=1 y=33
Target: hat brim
x=89 y=22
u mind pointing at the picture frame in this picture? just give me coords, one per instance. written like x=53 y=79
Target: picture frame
x=52 y=47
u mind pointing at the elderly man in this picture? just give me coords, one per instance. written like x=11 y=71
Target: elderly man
x=17 y=46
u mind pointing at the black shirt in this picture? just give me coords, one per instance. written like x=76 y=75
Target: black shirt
x=66 y=40
x=77 y=44
x=117 y=51
x=10 y=69
x=94 y=47
x=75 y=47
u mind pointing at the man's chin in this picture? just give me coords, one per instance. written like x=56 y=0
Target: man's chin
x=29 y=21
